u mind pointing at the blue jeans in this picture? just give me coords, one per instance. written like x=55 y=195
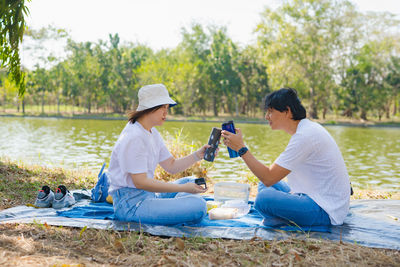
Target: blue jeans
x=131 y=204
x=279 y=207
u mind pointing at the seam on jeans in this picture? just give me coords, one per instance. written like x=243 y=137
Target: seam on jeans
x=136 y=207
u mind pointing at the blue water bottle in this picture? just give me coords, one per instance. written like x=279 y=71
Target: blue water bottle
x=230 y=127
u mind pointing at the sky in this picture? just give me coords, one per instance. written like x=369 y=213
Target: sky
x=158 y=23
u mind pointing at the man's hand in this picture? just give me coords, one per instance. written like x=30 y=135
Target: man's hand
x=234 y=141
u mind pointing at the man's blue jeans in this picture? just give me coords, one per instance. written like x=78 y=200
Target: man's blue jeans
x=279 y=207
x=131 y=204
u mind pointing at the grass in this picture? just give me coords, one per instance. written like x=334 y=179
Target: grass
x=17 y=181
x=43 y=245
x=81 y=113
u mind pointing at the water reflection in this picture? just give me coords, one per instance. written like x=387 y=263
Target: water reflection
x=371 y=154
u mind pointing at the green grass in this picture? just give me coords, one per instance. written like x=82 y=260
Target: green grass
x=19 y=183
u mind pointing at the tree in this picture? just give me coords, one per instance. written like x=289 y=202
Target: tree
x=254 y=79
x=12 y=26
x=365 y=80
x=40 y=43
x=225 y=79
x=196 y=47
x=299 y=41
x=393 y=80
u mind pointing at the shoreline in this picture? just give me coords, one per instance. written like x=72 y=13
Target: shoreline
x=330 y=122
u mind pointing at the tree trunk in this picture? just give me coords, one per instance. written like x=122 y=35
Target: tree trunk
x=363 y=114
x=387 y=111
x=236 y=106
x=215 y=109
x=348 y=113
x=42 y=101
x=4 y=100
x=325 y=110
x=314 y=111
x=89 y=104
x=23 y=106
x=58 y=102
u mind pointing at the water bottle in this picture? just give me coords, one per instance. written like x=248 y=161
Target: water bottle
x=230 y=127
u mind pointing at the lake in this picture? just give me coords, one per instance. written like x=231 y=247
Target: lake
x=372 y=155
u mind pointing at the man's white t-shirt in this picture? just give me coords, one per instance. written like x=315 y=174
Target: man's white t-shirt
x=136 y=151
x=317 y=169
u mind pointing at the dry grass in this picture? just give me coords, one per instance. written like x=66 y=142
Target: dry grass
x=375 y=194
x=44 y=245
x=38 y=245
x=180 y=147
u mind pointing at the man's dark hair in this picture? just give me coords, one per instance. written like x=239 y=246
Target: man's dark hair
x=133 y=116
x=283 y=99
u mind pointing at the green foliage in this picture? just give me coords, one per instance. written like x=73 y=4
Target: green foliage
x=224 y=77
x=299 y=43
x=331 y=54
x=12 y=25
x=338 y=59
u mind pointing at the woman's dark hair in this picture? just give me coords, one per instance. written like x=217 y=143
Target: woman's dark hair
x=283 y=99
x=134 y=115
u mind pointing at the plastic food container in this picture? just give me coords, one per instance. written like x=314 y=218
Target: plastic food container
x=242 y=207
x=222 y=213
x=224 y=191
x=213 y=204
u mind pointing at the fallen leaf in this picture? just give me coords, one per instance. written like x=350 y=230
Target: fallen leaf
x=119 y=246
x=313 y=247
x=392 y=217
x=180 y=244
x=277 y=251
x=298 y=258
x=296 y=254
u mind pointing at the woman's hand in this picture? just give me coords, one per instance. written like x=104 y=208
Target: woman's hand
x=193 y=188
x=234 y=141
x=200 y=153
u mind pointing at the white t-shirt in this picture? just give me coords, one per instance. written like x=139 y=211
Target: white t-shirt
x=317 y=169
x=136 y=151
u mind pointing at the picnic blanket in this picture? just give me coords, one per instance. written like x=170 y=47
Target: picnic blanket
x=373 y=223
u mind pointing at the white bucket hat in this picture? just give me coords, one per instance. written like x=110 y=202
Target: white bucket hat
x=153 y=95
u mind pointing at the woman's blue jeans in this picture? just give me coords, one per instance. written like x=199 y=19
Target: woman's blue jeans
x=279 y=207
x=131 y=204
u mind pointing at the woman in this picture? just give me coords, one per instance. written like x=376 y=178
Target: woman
x=134 y=159
x=318 y=190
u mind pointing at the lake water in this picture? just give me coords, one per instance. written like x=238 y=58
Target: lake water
x=372 y=155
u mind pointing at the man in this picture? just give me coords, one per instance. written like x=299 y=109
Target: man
x=318 y=191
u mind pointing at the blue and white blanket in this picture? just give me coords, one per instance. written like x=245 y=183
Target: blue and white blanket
x=373 y=223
